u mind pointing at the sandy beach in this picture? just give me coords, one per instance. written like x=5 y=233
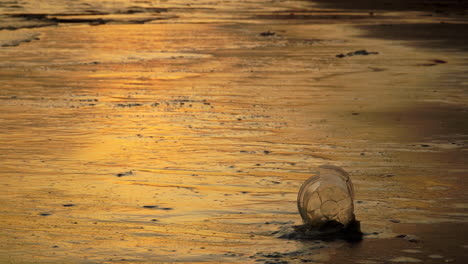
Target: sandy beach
x=181 y=131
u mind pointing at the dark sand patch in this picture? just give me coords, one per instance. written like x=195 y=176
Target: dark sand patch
x=396 y=5
x=443 y=36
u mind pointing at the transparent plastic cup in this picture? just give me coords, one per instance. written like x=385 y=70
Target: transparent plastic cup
x=327 y=197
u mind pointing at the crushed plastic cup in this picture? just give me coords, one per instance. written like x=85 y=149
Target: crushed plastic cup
x=327 y=197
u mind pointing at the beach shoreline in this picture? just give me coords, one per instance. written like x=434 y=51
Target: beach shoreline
x=148 y=132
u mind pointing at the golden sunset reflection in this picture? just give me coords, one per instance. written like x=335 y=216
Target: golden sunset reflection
x=165 y=131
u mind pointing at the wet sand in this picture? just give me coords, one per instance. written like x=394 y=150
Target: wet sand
x=161 y=131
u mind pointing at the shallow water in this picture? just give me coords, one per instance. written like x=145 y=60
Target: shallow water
x=139 y=131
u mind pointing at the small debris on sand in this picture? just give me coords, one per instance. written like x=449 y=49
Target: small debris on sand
x=128 y=173
x=45 y=214
x=157 y=207
x=129 y=105
x=358 y=52
x=150 y=206
x=433 y=63
x=267 y=34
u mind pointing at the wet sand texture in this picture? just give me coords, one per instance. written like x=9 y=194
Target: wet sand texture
x=169 y=131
